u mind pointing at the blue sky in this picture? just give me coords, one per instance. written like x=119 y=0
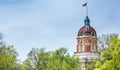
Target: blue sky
x=54 y=23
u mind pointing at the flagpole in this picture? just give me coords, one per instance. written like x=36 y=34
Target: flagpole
x=87 y=10
x=85 y=5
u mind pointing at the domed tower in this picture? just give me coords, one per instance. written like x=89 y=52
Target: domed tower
x=87 y=48
x=87 y=38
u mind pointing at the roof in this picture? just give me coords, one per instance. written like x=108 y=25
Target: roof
x=83 y=31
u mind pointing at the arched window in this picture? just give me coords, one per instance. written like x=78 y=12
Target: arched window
x=93 y=34
x=81 y=42
x=93 y=42
x=81 y=34
x=81 y=48
x=92 y=48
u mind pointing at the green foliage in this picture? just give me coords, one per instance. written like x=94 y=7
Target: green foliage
x=8 y=56
x=38 y=59
x=63 y=60
x=104 y=41
x=91 y=64
x=110 y=57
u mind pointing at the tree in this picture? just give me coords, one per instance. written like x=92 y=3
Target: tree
x=104 y=41
x=109 y=59
x=39 y=59
x=8 y=56
x=61 y=60
x=8 y=59
x=103 y=44
x=91 y=64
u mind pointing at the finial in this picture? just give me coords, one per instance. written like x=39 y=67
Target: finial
x=87 y=24
x=87 y=21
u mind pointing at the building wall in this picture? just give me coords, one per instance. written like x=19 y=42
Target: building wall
x=86 y=50
x=87 y=44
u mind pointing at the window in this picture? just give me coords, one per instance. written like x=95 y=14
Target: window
x=92 y=48
x=81 y=48
x=93 y=42
x=93 y=34
x=81 y=42
x=81 y=34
